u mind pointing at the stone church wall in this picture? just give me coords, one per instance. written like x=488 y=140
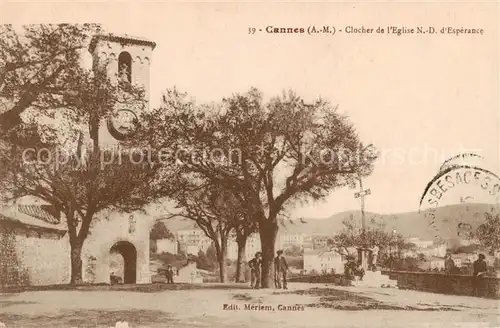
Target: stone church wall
x=34 y=259
x=47 y=260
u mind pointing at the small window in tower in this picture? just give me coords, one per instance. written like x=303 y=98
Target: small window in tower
x=125 y=67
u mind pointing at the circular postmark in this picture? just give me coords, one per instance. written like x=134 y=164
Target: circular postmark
x=455 y=202
x=122 y=124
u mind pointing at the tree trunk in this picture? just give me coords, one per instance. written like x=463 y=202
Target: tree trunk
x=76 y=264
x=242 y=245
x=268 y=231
x=222 y=260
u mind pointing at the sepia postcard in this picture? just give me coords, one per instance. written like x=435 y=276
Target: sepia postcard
x=234 y=164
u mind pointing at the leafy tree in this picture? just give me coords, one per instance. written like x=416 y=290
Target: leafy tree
x=468 y=249
x=488 y=233
x=153 y=247
x=296 y=262
x=75 y=177
x=352 y=236
x=202 y=262
x=206 y=205
x=169 y=258
x=38 y=66
x=274 y=154
x=244 y=227
x=294 y=251
x=211 y=253
x=160 y=231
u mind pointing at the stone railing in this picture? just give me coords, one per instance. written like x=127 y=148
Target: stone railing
x=322 y=279
x=454 y=284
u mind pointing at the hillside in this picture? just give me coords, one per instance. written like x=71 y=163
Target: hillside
x=410 y=224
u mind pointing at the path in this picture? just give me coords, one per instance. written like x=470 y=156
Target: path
x=333 y=307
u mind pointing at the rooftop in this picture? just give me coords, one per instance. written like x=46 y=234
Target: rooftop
x=41 y=212
x=33 y=224
x=123 y=39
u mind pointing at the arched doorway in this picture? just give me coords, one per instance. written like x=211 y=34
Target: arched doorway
x=128 y=268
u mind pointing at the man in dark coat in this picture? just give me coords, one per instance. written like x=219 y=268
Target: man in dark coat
x=170 y=275
x=280 y=269
x=449 y=265
x=255 y=266
x=480 y=268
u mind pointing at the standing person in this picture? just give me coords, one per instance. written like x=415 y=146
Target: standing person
x=449 y=268
x=374 y=257
x=449 y=264
x=280 y=269
x=255 y=265
x=480 y=268
x=349 y=267
x=170 y=275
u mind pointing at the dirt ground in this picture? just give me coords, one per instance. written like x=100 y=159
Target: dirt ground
x=302 y=306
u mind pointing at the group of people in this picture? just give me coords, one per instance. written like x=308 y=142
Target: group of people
x=280 y=270
x=353 y=269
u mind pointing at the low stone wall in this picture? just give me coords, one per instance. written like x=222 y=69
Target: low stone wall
x=322 y=279
x=445 y=283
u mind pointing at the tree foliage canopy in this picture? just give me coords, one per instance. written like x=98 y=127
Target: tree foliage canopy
x=38 y=66
x=269 y=152
x=352 y=236
x=488 y=233
x=160 y=231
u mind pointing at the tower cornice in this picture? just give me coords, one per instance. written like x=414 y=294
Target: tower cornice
x=122 y=39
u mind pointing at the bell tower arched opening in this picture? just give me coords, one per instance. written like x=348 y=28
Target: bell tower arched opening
x=125 y=67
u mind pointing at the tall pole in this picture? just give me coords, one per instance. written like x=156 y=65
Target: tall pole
x=363 y=222
x=362 y=194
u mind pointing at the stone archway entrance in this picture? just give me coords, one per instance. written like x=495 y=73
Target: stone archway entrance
x=128 y=268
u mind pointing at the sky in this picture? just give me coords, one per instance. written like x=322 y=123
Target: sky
x=419 y=99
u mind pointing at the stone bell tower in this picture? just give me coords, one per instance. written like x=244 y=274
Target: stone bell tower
x=126 y=60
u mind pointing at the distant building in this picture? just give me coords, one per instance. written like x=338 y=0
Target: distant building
x=436 y=263
x=290 y=240
x=323 y=261
x=167 y=246
x=319 y=242
x=438 y=250
x=419 y=243
x=308 y=242
x=191 y=236
x=426 y=247
x=252 y=247
x=193 y=241
x=463 y=259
